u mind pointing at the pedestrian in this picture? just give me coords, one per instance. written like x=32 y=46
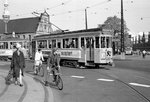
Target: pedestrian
x=38 y=60
x=53 y=62
x=18 y=65
x=144 y=53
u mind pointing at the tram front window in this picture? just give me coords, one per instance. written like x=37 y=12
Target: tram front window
x=3 y=45
x=103 y=42
x=108 y=42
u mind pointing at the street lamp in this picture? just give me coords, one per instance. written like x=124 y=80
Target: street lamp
x=122 y=33
x=6 y=15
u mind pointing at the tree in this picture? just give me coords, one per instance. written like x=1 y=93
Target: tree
x=114 y=23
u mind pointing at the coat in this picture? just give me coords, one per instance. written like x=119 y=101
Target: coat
x=17 y=63
x=53 y=60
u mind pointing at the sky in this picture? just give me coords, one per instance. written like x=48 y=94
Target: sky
x=70 y=14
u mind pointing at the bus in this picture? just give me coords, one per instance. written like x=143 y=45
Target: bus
x=91 y=47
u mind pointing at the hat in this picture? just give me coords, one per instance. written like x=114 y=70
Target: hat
x=18 y=45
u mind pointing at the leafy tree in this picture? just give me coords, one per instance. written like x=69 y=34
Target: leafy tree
x=114 y=23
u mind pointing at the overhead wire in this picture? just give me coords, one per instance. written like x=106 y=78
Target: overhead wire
x=81 y=9
x=37 y=11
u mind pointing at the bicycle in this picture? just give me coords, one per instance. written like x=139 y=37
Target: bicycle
x=39 y=70
x=58 y=81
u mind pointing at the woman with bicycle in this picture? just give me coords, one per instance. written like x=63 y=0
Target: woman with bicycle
x=52 y=65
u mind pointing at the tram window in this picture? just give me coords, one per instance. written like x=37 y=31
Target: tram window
x=59 y=44
x=102 y=42
x=97 y=42
x=65 y=43
x=42 y=44
x=12 y=45
x=108 y=42
x=70 y=43
x=74 y=43
x=50 y=44
x=82 y=42
x=53 y=43
x=3 y=45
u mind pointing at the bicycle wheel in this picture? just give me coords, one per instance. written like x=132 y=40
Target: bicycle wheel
x=41 y=71
x=59 y=82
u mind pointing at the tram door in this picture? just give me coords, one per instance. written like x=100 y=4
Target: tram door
x=89 y=48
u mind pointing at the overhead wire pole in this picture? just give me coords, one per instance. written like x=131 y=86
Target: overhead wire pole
x=86 y=21
x=86 y=24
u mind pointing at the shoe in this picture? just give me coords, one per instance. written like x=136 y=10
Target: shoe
x=21 y=85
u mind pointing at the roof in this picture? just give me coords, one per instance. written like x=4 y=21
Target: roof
x=2 y=26
x=84 y=31
x=23 y=25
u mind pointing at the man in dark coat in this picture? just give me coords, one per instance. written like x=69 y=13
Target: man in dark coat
x=53 y=63
x=18 y=64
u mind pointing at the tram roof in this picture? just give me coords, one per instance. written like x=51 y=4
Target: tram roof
x=77 y=31
x=13 y=39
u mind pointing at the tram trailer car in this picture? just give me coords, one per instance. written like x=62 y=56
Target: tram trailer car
x=7 y=47
x=90 y=47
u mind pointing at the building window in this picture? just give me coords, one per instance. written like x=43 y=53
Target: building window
x=24 y=36
x=29 y=37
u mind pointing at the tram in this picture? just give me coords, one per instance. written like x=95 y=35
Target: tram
x=7 y=47
x=91 y=47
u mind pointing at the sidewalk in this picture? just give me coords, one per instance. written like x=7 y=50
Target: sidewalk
x=131 y=57
x=32 y=91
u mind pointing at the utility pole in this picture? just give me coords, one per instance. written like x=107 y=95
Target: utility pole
x=122 y=33
x=86 y=24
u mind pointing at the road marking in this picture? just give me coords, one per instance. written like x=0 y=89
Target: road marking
x=137 y=84
x=77 y=76
x=101 y=79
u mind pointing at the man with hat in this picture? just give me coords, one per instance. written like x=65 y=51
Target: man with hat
x=18 y=64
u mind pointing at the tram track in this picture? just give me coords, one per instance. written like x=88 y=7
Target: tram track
x=126 y=84
x=22 y=97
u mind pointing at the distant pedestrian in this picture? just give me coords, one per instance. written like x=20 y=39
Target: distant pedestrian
x=144 y=53
x=18 y=64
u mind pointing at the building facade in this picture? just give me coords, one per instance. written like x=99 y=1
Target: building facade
x=26 y=28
